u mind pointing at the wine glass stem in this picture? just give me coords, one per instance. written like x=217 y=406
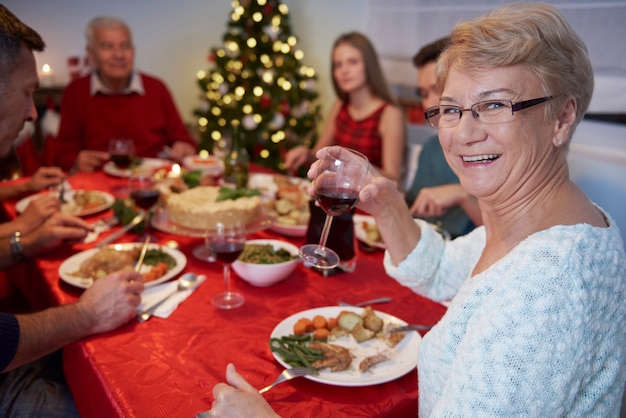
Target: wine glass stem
x=227 y=278
x=321 y=250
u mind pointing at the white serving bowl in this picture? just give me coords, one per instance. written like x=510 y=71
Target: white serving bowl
x=263 y=275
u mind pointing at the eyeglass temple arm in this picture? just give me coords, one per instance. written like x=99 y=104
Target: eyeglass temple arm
x=528 y=103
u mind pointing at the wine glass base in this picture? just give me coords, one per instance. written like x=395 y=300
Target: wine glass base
x=204 y=253
x=227 y=300
x=320 y=257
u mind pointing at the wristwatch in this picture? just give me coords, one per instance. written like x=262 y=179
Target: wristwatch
x=15 y=243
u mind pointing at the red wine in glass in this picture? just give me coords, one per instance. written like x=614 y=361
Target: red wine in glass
x=227 y=252
x=227 y=242
x=122 y=161
x=122 y=152
x=342 y=173
x=145 y=199
x=336 y=201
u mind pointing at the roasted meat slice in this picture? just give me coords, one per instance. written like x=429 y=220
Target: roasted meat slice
x=368 y=362
x=392 y=338
x=336 y=358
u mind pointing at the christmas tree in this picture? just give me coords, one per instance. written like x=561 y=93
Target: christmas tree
x=258 y=81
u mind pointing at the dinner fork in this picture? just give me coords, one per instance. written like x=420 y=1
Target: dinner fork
x=289 y=374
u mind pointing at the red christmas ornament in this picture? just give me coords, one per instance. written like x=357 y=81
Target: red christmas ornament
x=265 y=102
x=211 y=57
x=269 y=9
x=284 y=107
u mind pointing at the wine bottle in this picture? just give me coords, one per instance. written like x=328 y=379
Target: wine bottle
x=237 y=162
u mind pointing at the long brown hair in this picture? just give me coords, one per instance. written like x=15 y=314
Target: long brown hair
x=374 y=76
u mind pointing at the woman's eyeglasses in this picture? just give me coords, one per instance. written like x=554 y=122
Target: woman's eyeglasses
x=489 y=111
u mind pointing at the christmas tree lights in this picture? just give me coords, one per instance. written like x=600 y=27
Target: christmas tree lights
x=258 y=81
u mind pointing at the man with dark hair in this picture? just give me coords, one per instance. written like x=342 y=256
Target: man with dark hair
x=435 y=193
x=31 y=376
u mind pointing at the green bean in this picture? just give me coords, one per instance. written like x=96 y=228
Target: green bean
x=294 y=350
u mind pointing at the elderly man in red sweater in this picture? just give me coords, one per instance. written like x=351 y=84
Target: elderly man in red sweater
x=116 y=101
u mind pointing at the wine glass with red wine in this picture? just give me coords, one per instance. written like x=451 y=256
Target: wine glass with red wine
x=227 y=242
x=145 y=193
x=122 y=152
x=337 y=185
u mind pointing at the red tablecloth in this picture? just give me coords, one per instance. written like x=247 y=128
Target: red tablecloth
x=167 y=367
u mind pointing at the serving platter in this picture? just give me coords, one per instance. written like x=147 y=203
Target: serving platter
x=161 y=221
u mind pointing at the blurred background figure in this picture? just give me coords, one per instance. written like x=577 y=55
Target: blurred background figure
x=364 y=117
x=115 y=101
x=435 y=194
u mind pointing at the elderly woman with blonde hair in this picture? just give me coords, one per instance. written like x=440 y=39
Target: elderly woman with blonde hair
x=535 y=327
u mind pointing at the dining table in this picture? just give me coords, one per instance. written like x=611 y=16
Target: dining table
x=168 y=367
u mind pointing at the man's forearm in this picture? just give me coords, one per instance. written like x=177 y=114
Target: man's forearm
x=44 y=332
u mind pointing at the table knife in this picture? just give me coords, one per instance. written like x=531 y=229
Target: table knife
x=410 y=327
x=122 y=231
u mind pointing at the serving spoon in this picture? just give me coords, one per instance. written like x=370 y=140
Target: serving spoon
x=185 y=282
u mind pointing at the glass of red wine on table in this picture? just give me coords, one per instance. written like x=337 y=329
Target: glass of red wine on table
x=122 y=152
x=145 y=193
x=342 y=173
x=227 y=242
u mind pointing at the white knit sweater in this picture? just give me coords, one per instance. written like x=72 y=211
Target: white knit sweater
x=541 y=333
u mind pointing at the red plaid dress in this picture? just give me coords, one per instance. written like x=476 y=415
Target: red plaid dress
x=362 y=135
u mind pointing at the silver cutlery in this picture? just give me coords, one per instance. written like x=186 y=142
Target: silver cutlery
x=101 y=225
x=383 y=299
x=122 y=231
x=410 y=327
x=289 y=374
x=185 y=282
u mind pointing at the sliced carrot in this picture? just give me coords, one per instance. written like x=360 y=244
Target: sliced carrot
x=308 y=323
x=319 y=322
x=321 y=333
x=332 y=323
x=299 y=328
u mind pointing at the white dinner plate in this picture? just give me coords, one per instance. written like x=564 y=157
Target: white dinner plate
x=161 y=221
x=289 y=230
x=70 y=207
x=361 y=234
x=146 y=164
x=72 y=264
x=402 y=357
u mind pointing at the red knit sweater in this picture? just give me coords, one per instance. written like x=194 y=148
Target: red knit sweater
x=89 y=122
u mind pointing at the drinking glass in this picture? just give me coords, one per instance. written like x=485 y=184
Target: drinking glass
x=341 y=175
x=145 y=193
x=227 y=242
x=122 y=152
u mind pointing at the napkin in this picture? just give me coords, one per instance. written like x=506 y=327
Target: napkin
x=154 y=294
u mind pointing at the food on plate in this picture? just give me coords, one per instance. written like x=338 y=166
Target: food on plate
x=392 y=338
x=200 y=207
x=370 y=361
x=336 y=358
x=291 y=206
x=326 y=343
x=264 y=254
x=371 y=232
x=82 y=201
x=108 y=260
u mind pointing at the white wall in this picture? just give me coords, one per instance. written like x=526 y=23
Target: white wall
x=173 y=38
